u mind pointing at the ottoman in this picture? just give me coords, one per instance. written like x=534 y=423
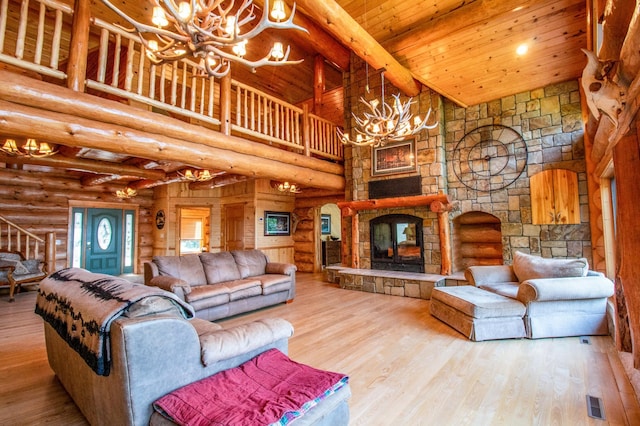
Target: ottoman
x=477 y=313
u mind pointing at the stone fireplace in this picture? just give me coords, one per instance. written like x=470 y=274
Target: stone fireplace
x=483 y=226
x=396 y=243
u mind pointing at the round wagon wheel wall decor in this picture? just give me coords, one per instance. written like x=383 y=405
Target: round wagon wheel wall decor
x=490 y=157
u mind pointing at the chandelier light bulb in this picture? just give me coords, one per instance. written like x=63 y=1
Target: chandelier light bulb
x=277 y=51
x=159 y=19
x=153 y=45
x=240 y=49
x=230 y=28
x=31 y=146
x=277 y=12
x=10 y=146
x=184 y=11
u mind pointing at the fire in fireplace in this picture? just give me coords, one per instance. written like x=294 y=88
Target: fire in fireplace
x=396 y=243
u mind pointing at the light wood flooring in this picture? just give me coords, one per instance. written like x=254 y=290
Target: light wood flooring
x=405 y=367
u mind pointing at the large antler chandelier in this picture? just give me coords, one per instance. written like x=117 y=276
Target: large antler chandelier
x=211 y=31
x=385 y=123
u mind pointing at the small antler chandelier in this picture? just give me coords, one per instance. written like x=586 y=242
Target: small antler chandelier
x=31 y=148
x=208 y=31
x=385 y=123
x=125 y=193
x=196 y=175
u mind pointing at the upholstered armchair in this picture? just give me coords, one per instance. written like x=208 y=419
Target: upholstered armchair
x=562 y=296
x=15 y=270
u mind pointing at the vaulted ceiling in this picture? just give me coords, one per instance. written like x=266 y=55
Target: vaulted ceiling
x=464 y=50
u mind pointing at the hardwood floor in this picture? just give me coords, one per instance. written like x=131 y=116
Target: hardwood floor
x=405 y=366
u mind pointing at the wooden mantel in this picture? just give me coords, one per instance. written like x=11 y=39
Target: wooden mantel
x=438 y=203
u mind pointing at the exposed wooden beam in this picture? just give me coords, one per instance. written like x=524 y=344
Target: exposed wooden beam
x=85 y=165
x=218 y=182
x=346 y=29
x=71 y=130
x=50 y=97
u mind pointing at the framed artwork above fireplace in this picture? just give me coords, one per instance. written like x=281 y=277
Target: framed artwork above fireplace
x=399 y=157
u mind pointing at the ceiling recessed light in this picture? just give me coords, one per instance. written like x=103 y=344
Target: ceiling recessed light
x=522 y=49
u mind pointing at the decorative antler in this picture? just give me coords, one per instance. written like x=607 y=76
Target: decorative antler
x=206 y=30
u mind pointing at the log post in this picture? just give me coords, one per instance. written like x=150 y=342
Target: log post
x=50 y=252
x=318 y=83
x=79 y=48
x=225 y=104
x=626 y=157
x=355 y=242
x=445 y=242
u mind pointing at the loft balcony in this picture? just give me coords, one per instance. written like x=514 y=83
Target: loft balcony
x=36 y=41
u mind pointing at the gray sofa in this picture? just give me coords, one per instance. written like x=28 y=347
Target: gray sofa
x=219 y=285
x=562 y=297
x=154 y=350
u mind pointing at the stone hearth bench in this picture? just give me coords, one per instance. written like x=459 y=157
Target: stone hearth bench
x=395 y=283
x=478 y=314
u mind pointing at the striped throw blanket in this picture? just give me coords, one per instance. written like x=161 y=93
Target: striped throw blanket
x=81 y=305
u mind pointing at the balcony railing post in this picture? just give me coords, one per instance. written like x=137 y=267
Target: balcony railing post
x=306 y=131
x=79 y=49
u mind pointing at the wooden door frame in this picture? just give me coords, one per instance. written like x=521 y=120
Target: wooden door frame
x=110 y=206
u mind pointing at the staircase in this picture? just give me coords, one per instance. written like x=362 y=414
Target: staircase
x=15 y=238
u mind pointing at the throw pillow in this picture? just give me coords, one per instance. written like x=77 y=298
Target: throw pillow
x=219 y=267
x=527 y=267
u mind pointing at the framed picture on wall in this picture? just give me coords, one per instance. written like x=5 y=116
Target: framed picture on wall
x=325 y=224
x=399 y=157
x=277 y=223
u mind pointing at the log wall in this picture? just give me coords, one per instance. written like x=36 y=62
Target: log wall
x=39 y=201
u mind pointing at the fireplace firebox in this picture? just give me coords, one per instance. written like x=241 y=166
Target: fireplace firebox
x=396 y=243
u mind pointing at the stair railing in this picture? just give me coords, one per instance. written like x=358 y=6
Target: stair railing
x=15 y=238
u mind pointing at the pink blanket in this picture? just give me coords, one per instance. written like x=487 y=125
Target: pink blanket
x=267 y=389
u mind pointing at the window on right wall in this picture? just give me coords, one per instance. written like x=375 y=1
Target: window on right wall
x=554 y=197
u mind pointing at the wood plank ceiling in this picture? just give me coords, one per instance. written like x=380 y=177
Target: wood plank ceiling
x=465 y=51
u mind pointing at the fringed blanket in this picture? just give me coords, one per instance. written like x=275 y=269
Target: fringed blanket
x=268 y=389
x=81 y=305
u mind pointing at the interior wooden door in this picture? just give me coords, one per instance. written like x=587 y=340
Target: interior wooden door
x=234 y=227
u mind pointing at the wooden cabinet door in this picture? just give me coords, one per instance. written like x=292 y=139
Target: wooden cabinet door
x=554 y=197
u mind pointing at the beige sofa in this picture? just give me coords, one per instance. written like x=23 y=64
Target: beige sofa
x=153 y=350
x=219 y=285
x=561 y=296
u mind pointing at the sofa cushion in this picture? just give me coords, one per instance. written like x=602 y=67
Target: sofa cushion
x=508 y=289
x=250 y=262
x=219 y=267
x=217 y=293
x=241 y=289
x=274 y=283
x=527 y=267
x=187 y=268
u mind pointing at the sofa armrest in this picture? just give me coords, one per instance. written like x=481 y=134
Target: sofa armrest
x=175 y=285
x=572 y=288
x=150 y=271
x=479 y=275
x=219 y=345
x=280 y=268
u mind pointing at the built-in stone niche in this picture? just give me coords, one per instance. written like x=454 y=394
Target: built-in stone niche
x=476 y=240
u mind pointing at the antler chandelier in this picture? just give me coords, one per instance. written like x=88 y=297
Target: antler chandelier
x=209 y=31
x=385 y=123
x=31 y=148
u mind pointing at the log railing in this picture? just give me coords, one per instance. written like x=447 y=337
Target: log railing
x=33 y=38
x=16 y=238
x=36 y=43
x=265 y=117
